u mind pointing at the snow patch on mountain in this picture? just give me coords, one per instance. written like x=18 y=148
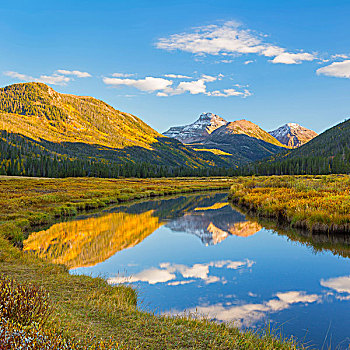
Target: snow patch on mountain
x=197 y=131
x=293 y=134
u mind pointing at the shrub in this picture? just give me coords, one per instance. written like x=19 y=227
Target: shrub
x=24 y=312
x=23 y=304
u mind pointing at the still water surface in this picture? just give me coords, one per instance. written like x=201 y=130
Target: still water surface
x=196 y=253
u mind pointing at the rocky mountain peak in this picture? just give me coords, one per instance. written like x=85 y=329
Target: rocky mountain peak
x=197 y=131
x=293 y=135
x=209 y=117
x=245 y=127
x=293 y=125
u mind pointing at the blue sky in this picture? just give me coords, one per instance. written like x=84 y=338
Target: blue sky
x=270 y=62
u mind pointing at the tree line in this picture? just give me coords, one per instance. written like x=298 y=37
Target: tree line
x=21 y=156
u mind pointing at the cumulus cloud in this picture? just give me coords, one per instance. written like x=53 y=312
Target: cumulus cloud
x=167 y=87
x=17 y=75
x=230 y=39
x=193 y=87
x=248 y=314
x=169 y=272
x=336 y=69
x=58 y=78
x=293 y=58
x=76 y=73
x=54 y=79
x=148 y=84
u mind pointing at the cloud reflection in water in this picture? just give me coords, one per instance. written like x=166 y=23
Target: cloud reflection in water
x=247 y=314
x=169 y=272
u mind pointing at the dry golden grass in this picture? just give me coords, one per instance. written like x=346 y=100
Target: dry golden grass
x=317 y=203
x=85 y=306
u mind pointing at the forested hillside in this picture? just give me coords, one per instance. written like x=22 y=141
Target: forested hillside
x=327 y=153
x=45 y=133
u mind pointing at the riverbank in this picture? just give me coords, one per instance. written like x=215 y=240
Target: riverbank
x=315 y=203
x=85 y=307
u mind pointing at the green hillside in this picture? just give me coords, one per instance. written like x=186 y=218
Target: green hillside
x=327 y=153
x=37 y=111
x=46 y=133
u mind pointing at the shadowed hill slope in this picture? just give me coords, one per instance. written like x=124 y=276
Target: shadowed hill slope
x=42 y=129
x=327 y=153
x=242 y=139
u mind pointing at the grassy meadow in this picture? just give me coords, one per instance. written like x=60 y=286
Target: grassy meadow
x=318 y=203
x=80 y=312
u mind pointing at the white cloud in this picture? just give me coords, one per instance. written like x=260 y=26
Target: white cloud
x=168 y=272
x=248 y=314
x=122 y=75
x=193 y=87
x=293 y=58
x=177 y=76
x=19 y=76
x=58 y=78
x=180 y=283
x=248 y=62
x=336 y=69
x=149 y=84
x=166 y=87
x=76 y=73
x=341 y=55
x=230 y=92
x=152 y=276
x=339 y=284
x=229 y=39
x=237 y=264
x=54 y=79
x=209 y=78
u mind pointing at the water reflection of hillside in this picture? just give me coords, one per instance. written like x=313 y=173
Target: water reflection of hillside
x=91 y=239
x=214 y=224
x=337 y=243
x=207 y=216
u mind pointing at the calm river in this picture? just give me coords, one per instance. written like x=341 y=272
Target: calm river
x=195 y=253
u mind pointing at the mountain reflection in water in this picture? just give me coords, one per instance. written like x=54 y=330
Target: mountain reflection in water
x=87 y=242
x=196 y=253
x=90 y=240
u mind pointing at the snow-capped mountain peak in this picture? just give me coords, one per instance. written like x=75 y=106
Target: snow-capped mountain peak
x=293 y=134
x=197 y=131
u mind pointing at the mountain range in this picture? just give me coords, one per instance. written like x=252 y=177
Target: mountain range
x=242 y=139
x=41 y=131
x=328 y=153
x=46 y=133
